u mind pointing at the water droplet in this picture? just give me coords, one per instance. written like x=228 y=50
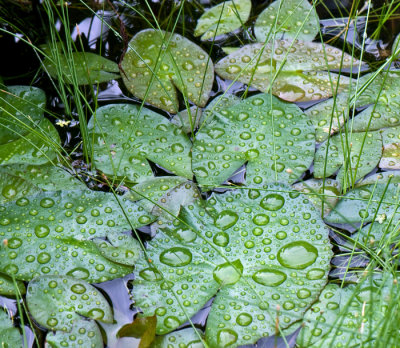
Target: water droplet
x=96 y=314
x=52 y=322
x=297 y=255
x=42 y=231
x=228 y=273
x=269 y=277
x=244 y=319
x=272 y=202
x=46 y=203
x=22 y=202
x=150 y=274
x=177 y=148
x=79 y=273
x=226 y=338
x=233 y=69
x=315 y=274
x=9 y=191
x=261 y=219
x=188 y=65
x=43 y=257
x=78 y=288
x=303 y=293
x=171 y=322
x=221 y=239
x=216 y=133
x=176 y=257
x=226 y=219
x=14 y=243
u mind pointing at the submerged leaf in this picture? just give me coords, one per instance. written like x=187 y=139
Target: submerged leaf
x=54 y=232
x=287 y=19
x=157 y=61
x=10 y=336
x=354 y=155
x=82 y=68
x=59 y=303
x=274 y=138
x=127 y=136
x=246 y=249
x=143 y=328
x=223 y=18
x=295 y=63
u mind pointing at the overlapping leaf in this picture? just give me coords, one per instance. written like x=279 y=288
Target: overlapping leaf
x=287 y=19
x=62 y=233
x=292 y=70
x=274 y=138
x=10 y=336
x=157 y=61
x=9 y=288
x=126 y=137
x=60 y=303
x=248 y=249
x=223 y=18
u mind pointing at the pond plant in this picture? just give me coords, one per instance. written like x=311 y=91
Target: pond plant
x=200 y=174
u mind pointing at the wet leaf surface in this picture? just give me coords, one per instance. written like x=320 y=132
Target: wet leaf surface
x=274 y=138
x=157 y=61
x=288 y=19
x=10 y=336
x=126 y=137
x=56 y=233
x=223 y=18
x=9 y=288
x=241 y=248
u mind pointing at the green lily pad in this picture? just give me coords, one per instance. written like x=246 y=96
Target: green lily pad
x=19 y=180
x=55 y=233
x=300 y=68
x=246 y=249
x=125 y=137
x=9 y=288
x=365 y=150
x=60 y=303
x=157 y=61
x=185 y=338
x=365 y=203
x=297 y=19
x=82 y=68
x=322 y=193
x=350 y=316
x=82 y=334
x=21 y=109
x=223 y=18
x=37 y=147
x=277 y=145
x=10 y=336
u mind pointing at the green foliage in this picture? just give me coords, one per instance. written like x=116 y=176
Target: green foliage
x=246 y=249
x=9 y=335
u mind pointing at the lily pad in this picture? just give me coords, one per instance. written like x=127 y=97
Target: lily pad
x=223 y=18
x=354 y=155
x=82 y=68
x=126 y=137
x=274 y=138
x=37 y=147
x=10 y=336
x=21 y=109
x=55 y=233
x=9 y=288
x=185 y=338
x=157 y=61
x=19 y=180
x=246 y=249
x=60 y=303
x=283 y=19
x=360 y=310
x=300 y=69
x=324 y=194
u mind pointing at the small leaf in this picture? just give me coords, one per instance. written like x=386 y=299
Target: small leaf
x=223 y=18
x=126 y=137
x=83 y=68
x=187 y=338
x=57 y=232
x=287 y=19
x=250 y=132
x=157 y=61
x=9 y=288
x=143 y=328
x=10 y=336
x=238 y=250
x=354 y=155
x=294 y=62
x=59 y=303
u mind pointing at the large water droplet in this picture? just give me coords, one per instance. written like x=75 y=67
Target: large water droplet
x=297 y=255
x=79 y=273
x=96 y=314
x=226 y=338
x=150 y=274
x=269 y=277
x=315 y=274
x=221 y=239
x=176 y=257
x=78 y=288
x=272 y=202
x=228 y=273
x=46 y=203
x=244 y=319
x=42 y=231
x=226 y=219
